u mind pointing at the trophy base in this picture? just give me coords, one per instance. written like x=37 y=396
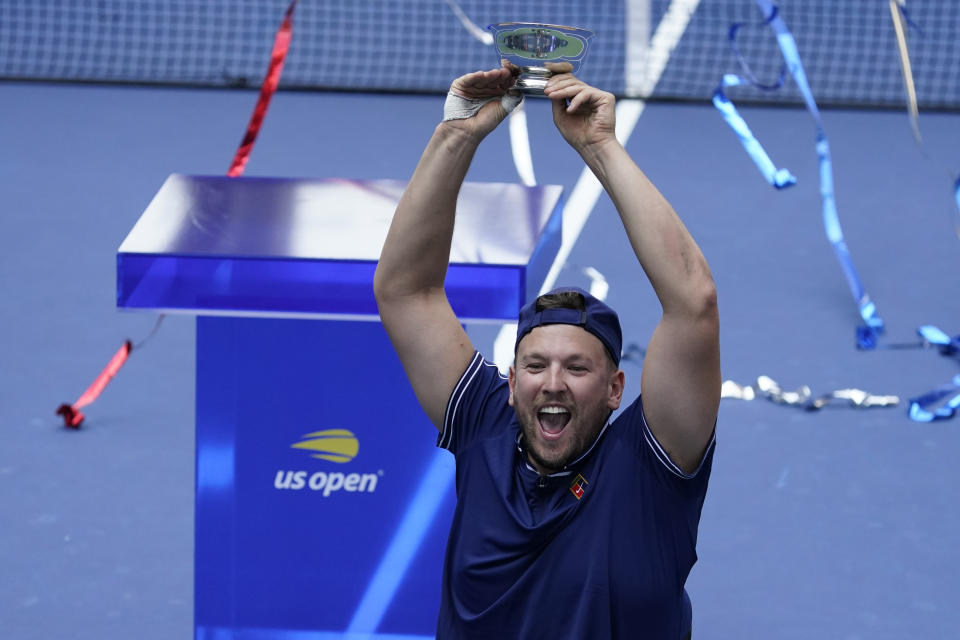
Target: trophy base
x=532 y=80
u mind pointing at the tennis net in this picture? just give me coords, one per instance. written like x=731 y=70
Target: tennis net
x=848 y=48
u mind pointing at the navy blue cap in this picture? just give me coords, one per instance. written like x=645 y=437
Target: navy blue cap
x=596 y=317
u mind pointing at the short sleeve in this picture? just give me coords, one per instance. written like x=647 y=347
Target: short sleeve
x=477 y=406
x=646 y=445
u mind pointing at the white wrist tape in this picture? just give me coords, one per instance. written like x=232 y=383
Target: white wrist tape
x=457 y=107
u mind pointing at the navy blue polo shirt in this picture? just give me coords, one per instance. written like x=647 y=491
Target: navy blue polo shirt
x=599 y=550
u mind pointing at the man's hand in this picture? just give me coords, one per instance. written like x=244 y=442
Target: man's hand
x=584 y=115
x=477 y=102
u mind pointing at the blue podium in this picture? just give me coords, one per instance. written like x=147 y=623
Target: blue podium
x=322 y=504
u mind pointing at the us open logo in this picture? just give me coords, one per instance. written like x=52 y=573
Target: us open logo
x=339 y=446
x=335 y=445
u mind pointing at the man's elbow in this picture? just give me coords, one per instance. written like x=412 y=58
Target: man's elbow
x=381 y=284
x=699 y=301
x=705 y=301
x=397 y=293
x=387 y=285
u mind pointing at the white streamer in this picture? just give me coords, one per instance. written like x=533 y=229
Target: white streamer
x=900 y=27
x=766 y=387
x=599 y=287
x=520 y=146
x=483 y=36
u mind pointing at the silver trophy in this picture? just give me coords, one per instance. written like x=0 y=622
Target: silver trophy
x=531 y=45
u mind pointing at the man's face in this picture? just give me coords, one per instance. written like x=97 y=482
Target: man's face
x=562 y=386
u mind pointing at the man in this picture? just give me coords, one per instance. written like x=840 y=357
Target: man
x=567 y=525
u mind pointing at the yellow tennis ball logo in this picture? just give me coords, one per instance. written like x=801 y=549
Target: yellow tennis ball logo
x=335 y=445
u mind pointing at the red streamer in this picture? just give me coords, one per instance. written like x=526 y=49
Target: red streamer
x=281 y=44
x=72 y=416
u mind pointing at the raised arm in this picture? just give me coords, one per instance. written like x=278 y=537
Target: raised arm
x=681 y=370
x=408 y=283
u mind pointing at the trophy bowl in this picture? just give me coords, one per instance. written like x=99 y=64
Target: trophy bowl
x=531 y=45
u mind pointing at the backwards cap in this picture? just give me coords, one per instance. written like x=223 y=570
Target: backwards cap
x=596 y=317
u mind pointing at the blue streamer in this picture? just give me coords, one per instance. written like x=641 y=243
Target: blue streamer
x=919 y=407
x=906 y=18
x=747 y=71
x=933 y=335
x=780 y=178
x=947 y=346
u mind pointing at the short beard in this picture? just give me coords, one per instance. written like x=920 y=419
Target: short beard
x=529 y=427
x=541 y=462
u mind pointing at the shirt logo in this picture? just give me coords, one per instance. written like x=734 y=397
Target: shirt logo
x=578 y=486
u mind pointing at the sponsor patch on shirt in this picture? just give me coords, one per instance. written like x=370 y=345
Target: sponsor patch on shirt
x=578 y=486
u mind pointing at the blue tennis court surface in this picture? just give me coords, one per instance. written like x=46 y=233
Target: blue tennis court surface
x=833 y=524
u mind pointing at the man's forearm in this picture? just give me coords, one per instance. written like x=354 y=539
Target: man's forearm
x=670 y=257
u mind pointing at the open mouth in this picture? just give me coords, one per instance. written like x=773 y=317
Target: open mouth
x=552 y=421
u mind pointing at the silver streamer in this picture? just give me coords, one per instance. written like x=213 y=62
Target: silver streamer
x=767 y=387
